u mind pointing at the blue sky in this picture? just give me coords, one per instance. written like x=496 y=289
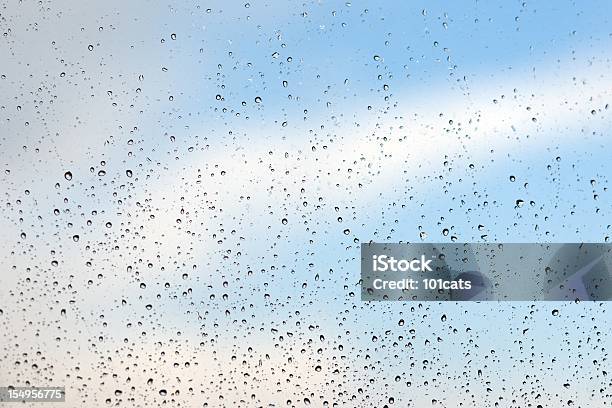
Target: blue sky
x=397 y=120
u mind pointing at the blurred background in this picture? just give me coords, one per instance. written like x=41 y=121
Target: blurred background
x=186 y=187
